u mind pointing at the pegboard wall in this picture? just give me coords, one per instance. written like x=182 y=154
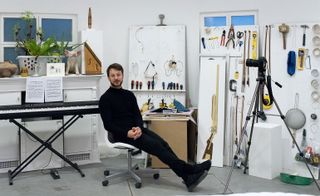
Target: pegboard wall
x=157 y=64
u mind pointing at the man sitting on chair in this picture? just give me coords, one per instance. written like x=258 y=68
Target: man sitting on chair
x=121 y=117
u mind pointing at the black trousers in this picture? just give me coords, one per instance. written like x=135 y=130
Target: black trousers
x=153 y=144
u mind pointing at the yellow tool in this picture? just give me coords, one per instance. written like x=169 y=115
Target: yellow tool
x=145 y=106
x=266 y=102
x=301 y=57
x=214 y=121
x=254 y=45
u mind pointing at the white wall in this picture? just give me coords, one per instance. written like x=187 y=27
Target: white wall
x=115 y=17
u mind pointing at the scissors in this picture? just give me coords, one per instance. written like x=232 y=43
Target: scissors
x=239 y=36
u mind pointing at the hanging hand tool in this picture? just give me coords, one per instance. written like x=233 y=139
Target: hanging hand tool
x=239 y=41
x=214 y=41
x=304 y=34
x=249 y=39
x=140 y=85
x=223 y=38
x=266 y=100
x=301 y=54
x=231 y=37
x=163 y=85
x=203 y=42
x=137 y=85
x=236 y=72
x=233 y=85
x=239 y=37
x=284 y=29
x=132 y=84
x=243 y=81
x=236 y=123
x=254 y=44
x=307 y=55
x=291 y=63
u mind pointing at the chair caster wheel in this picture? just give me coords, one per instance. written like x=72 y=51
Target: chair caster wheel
x=138 y=185
x=106 y=172
x=137 y=168
x=105 y=183
x=156 y=176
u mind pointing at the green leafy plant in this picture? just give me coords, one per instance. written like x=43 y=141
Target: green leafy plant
x=38 y=46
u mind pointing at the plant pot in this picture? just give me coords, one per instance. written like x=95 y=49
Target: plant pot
x=37 y=66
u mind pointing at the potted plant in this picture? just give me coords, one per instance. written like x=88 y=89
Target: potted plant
x=34 y=52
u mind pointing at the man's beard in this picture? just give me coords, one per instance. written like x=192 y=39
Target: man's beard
x=116 y=85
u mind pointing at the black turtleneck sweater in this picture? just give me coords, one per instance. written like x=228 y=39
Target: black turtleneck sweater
x=119 y=112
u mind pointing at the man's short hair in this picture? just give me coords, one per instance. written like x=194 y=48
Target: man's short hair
x=115 y=66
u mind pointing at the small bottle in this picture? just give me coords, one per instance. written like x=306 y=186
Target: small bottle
x=24 y=72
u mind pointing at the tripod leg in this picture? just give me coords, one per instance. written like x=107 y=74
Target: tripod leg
x=235 y=157
x=255 y=117
x=295 y=142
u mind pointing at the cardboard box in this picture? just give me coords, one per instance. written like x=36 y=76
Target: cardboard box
x=174 y=131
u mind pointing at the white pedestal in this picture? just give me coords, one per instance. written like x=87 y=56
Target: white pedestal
x=265 y=152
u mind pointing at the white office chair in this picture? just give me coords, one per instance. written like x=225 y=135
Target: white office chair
x=131 y=171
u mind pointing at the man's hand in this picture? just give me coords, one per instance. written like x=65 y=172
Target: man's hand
x=134 y=133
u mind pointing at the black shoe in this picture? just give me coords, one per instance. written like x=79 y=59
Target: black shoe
x=206 y=165
x=192 y=180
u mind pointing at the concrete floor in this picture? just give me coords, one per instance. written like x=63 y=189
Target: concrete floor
x=38 y=183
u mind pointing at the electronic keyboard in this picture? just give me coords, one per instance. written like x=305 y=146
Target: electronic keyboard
x=33 y=110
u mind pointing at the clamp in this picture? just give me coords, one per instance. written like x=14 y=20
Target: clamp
x=231 y=37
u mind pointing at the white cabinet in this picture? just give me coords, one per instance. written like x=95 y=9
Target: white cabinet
x=9 y=148
x=81 y=144
x=10 y=98
x=43 y=129
x=80 y=140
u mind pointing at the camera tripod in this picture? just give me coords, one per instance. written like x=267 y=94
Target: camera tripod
x=256 y=108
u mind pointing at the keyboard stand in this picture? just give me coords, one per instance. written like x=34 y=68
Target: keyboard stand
x=44 y=144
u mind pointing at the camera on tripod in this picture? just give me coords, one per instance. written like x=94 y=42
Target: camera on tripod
x=260 y=63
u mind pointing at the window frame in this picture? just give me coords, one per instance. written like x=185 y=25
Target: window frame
x=228 y=15
x=38 y=17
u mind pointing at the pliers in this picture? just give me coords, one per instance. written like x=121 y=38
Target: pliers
x=223 y=38
x=231 y=37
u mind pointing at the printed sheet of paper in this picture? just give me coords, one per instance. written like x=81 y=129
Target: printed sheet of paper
x=35 y=90
x=53 y=89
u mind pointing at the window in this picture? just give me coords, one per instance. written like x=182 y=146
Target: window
x=62 y=27
x=217 y=19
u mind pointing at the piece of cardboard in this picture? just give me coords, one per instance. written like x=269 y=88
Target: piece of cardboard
x=175 y=134
x=92 y=63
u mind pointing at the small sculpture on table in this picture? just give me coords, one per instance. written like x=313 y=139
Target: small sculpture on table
x=73 y=61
